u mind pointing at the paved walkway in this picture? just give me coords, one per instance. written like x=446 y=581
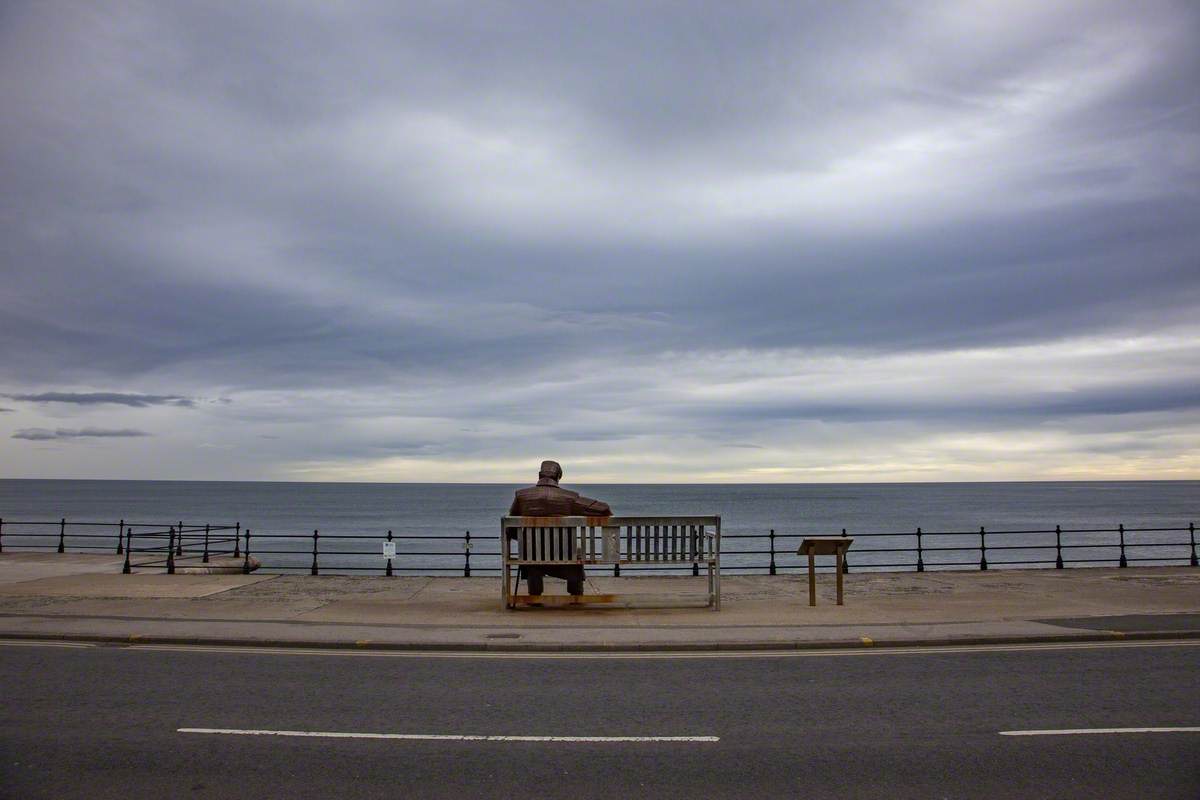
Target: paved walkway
x=85 y=597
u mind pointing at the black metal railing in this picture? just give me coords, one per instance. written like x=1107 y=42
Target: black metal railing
x=180 y=546
x=170 y=546
x=351 y=553
x=144 y=544
x=1055 y=547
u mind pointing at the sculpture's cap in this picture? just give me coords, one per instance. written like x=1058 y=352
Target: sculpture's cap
x=550 y=469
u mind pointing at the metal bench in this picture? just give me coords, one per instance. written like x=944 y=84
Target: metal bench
x=611 y=541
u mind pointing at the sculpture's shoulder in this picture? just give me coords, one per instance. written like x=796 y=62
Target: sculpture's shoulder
x=544 y=501
x=546 y=491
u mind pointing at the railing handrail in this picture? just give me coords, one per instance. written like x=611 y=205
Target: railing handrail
x=195 y=541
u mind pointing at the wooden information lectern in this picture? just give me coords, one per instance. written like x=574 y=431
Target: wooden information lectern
x=814 y=546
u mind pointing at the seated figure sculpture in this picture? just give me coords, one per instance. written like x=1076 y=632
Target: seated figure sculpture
x=547 y=499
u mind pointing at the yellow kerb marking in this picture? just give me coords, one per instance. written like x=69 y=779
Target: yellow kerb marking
x=133 y=637
x=868 y=641
x=362 y=643
x=1117 y=634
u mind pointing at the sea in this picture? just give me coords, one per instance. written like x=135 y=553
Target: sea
x=429 y=521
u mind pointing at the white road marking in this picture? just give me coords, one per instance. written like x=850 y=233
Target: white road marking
x=450 y=737
x=42 y=643
x=1076 y=731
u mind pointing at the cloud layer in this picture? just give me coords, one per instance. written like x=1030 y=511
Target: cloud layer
x=45 y=435
x=104 y=398
x=882 y=241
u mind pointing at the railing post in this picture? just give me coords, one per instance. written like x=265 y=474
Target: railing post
x=467 y=552
x=179 y=545
x=246 y=563
x=206 y=543
x=1058 y=562
x=237 y=536
x=62 y=535
x=314 y=564
x=120 y=536
x=1121 y=530
x=1192 y=534
x=1 y=534
x=920 y=553
x=171 y=553
x=616 y=570
x=388 y=571
x=773 y=551
x=128 y=568
x=982 y=548
x=845 y=560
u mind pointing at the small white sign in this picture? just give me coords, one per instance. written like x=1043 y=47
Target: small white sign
x=389 y=550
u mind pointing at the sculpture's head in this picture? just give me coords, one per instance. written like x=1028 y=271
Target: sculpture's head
x=551 y=470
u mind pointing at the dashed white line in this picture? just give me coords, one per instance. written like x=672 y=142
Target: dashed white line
x=42 y=643
x=450 y=737
x=1079 y=731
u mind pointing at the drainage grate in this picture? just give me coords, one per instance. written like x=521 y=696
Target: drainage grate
x=504 y=636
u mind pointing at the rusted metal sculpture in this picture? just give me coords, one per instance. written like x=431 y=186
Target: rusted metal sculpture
x=547 y=499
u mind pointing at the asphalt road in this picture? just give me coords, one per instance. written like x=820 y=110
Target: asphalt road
x=101 y=722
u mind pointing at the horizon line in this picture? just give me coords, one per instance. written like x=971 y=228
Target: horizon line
x=620 y=483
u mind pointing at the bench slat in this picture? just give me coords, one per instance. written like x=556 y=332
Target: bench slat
x=648 y=540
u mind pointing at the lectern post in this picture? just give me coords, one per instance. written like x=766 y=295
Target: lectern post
x=814 y=546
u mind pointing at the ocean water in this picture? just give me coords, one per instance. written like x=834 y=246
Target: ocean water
x=447 y=511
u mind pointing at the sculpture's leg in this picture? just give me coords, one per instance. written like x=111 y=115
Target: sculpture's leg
x=575 y=581
x=533 y=579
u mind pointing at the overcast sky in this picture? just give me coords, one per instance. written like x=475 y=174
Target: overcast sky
x=746 y=242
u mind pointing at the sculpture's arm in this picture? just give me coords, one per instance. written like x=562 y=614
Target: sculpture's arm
x=513 y=511
x=587 y=507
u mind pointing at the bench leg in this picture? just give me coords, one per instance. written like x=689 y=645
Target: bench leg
x=812 y=579
x=717 y=569
x=839 y=578
x=505 y=604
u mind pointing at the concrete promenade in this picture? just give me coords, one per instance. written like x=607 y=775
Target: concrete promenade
x=70 y=596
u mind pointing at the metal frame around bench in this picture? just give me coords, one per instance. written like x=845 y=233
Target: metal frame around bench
x=555 y=541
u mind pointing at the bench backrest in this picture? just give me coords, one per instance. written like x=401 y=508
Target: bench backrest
x=612 y=540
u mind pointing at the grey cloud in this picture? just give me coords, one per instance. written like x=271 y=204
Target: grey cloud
x=103 y=398
x=591 y=436
x=1004 y=409
x=776 y=288
x=45 y=434
x=409 y=448
x=6 y=410
x=397 y=199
